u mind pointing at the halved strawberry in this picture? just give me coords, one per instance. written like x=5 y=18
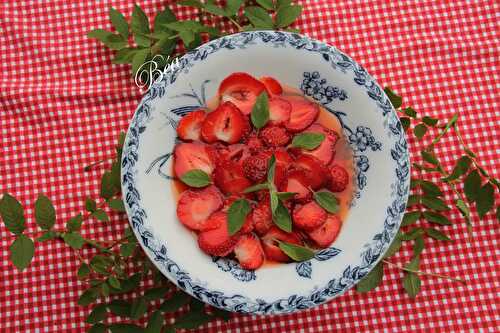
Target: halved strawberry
x=241 y=89
x=226 y=123
x=309 y=216
x=326 y=150
x=230 y=178
x=274 y=136
x=255 y=166
x=314 y=169
x=217 y=242
x=339 y=178
x=297 y=181
x=324 y=235
x=261 y=216
x=303 y=113
x=272 y=85
x=271 y=245
x=279 y=111
x=190 y=156
x=189 y=126
x=249 y=252
x=195 y=206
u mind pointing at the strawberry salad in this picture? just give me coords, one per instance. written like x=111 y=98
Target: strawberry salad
x=260 y=178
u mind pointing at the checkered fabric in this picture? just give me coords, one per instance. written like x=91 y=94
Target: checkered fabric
x=63 y=103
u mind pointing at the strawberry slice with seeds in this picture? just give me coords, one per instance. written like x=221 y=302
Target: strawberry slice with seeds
x=297 y=181
x=189 y=126
x=309 y=216
x=271 y=245
x=317 y=173
x=253 y=143
x=255 y=166
x=217 y=242
x=303 y=113
x=272 y=85
x=339 y=178
x=226 y=123
x=241 y=89
x=274 y=136
x=261 y=216
x=249 y=252
x=230 y=178
x=283 y=162
x=279 y=111
x=325 y=234
x=325 y=152
x=190 y=156
x=195 y=207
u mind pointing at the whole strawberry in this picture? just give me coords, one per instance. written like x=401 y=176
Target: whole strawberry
x=274 y=136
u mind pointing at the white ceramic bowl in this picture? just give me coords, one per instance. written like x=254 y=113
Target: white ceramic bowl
x=369 y=122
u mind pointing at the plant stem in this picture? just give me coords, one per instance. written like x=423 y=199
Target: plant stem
x=91 y=165
x=240 y=28
x=423 y=272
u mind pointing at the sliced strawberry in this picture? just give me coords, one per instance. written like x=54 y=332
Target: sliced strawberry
x=195 y=206
x=217 y=242
x=255 y=166
x=249 y=252
x=309 y=216
x=315 y=170
x=241 y=89
x=253 y=143
x=226 y=123
x=190 y=156
x=275 y=136
x=303 y=113
x=326 y=150
x=261 y=216
x=248 y=226
x=271 y=245
x=230 y=178
x=279 y=111
x=339 y=178
x=189 y=127
x=297 y=181
x=272 y=85
x=235 y=152
x=283 y=162
x=324 y=235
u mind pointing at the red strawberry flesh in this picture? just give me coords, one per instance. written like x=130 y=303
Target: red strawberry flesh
x=325 y=234
x=279 y=111
x=217 y=242
x=189 y=126
x=241 y=89
x=249 y=252
x=272 y=85
x=271 y=245
x=191 y=156
x=315 y=170
x=303 y=113
x=309 y=216
x=226 y=123
x=339 y=178
x=195 y=207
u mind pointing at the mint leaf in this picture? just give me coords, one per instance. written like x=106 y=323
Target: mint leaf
x=74 y=240
x=45 y=214
x=372 y=279
x=436 y=218
x=412 y=234
x=138 y=308
x=260 y=111
x=74 y=223
x=472 y=185
x=410 y=112
x=196 y=178
x=187 y=37
x=12 y=213
x=286 y=15
x=98 y=314
x=108 y=185
x=429 y=157
x=259 y=17
x=285 y=195
x=395 y=99
x=327 y=200
x=308 y=140
x=418 y=246
x=90 y=205
x=420 y=131
x=413 y=200
x=139 y=59
x=162 y=18
x=83 y=271
x=434 y=203
x=155 y=323
x=211 y=8
x=101 y=215
x=410 y=218
x=412 y=284
x=125 y=328
x=48 y=235
x=117 y=205
x=140 y=27
x=22 y=251
x=120 y=308
x=281 y=3
x=405 y=122
x=430 y=121
x=461 y=168
x=114 y=42
x=273 y=200
x=174 y=303
x=88 y=296
x=114 y=282
x=255 y=188
x=430 y=188
x=154 y=294
x=296 y=252
x=485 y=199
x=236 y=215
x=281 y=217
x=436 y=234
x=101 y=264
x=266 y=4
x=271 y=166
x=233 y=6
x=127 y=249
x=119 y=22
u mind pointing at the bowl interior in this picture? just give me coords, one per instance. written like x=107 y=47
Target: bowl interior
x=369 y=124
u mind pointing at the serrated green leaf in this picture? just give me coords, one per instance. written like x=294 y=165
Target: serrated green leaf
x=125 y=328
x=327 y=200
x=394 y=247
x=485 y=200
x=308 y=140
x=117 y=205
x=157 y=293
x=140 y=27
x=127 y=249
x=296 y=252
x=395 y=99
x=429 y=157
x=196 y=178
x=418 y=246
x=22 y=251
x=430 y=188
x=187 y=36
x=139 y=308
x=83 y=271
x=174 y=303
x=74 y=223
x=285 y=195
x=273 y=201
x=436 y=218
x=191 y=3
x=232 y=7
x=430 y=121
x=405 y=122
x=111 y=40
x=281 y=217
x=224 y=315
x=280 y=3
x=101 y=264
x=255 y=188
x=155 y=322
x=412 y=234
x=108 y=188
x=259 y=17
x=271 y=168
x=412 y=284
x=410 y=218
x=460 y=169
x=119 y=22
x=12 y=213
x=436 y=234
x=48 y=235
x=472 y=185
x=101 y=215
x=98 y=314
x=237 y=214
x=260 y=111
x=162 y=18
x=266 y=4
x=120 y=307
x=410 y=112
x=98 y=328
x=212 y=8
x=139 y=59
x=88 y=297
x=45 y=214
x=420 y=131
x=114 y=282
x=413 y=200
x=286 y=15
x=90 y=205
x=434 y=203
x=192 y=320
x=372 y=279
x=74 y=240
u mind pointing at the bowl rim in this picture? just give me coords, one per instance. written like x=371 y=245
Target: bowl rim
x=239 y=303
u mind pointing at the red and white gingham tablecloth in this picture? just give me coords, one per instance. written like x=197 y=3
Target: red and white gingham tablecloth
x=63 y=104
